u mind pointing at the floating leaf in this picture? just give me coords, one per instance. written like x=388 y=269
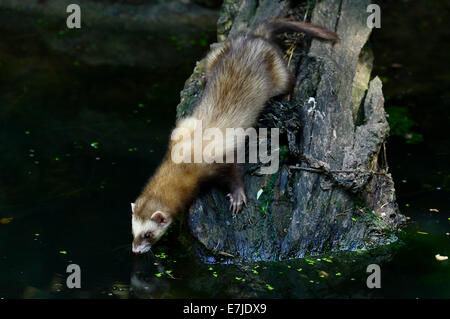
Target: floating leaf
x=6 y=220
x=440 y=258
x=259 y=193
x=63 y=252
x=158 y=274
x=422 y=233
x=162 y=256
x=310 y=261
x=269 y=287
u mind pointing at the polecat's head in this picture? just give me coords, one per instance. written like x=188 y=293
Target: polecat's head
x=148 y=225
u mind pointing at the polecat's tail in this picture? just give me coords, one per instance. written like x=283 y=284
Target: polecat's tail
x=269 y=29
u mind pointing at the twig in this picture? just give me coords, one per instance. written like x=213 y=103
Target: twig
x=291 y=50
x=325 y=171
x=218 y=242
x=225 y=254
x=318 y=170
x=385 y=158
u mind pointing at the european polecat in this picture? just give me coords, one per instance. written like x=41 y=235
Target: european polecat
x=242 y=74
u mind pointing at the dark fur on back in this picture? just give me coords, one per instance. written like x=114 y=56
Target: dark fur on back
x=269 y=29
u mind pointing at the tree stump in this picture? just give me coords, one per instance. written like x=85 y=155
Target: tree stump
x=333 y=190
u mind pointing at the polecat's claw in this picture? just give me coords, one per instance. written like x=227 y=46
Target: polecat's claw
x=237 y=198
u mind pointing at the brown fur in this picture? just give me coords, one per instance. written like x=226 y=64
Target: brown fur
x=168 y=194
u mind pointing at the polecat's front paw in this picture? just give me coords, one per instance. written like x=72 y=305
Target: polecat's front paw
x=237 y=198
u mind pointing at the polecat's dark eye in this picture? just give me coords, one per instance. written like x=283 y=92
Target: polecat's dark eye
x=147 y=236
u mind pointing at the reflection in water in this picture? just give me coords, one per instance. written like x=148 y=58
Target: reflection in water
x=146 y=281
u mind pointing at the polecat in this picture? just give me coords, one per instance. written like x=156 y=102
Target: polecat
x=242 y=74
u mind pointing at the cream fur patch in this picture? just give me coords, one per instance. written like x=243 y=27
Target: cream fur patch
x=140 y=226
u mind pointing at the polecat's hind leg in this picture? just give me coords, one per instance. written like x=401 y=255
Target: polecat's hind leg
x=218 y=50
x=237 y=191
x=283 y=79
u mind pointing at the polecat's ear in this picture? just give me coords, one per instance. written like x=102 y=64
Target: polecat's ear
x=159 y=217
x=132 y=207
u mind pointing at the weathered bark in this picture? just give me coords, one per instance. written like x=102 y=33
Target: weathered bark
x=333 y=191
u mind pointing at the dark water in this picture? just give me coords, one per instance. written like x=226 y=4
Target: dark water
x=77 y=142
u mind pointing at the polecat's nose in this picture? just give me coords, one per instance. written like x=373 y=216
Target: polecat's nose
x=141 y=249
x=136 y=250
